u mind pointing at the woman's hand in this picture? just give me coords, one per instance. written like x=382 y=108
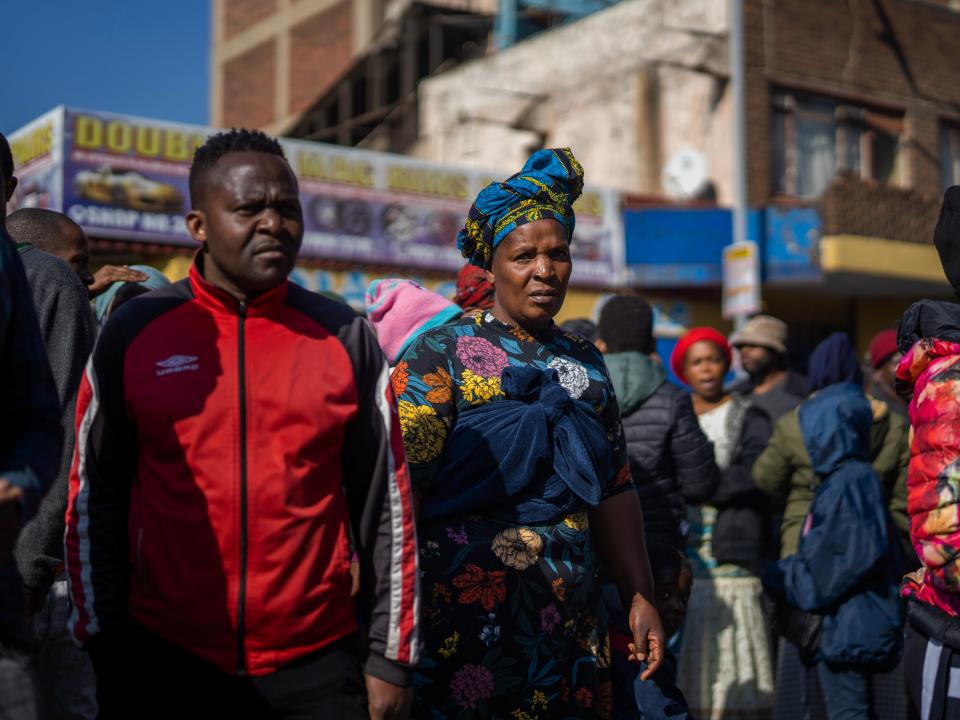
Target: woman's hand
x=648 y=641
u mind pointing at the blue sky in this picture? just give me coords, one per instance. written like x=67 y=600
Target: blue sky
x=140 y=58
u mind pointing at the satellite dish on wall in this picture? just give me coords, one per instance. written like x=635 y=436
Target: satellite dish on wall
x=686 y=174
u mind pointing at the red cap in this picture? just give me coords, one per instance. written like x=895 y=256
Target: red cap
x=883 y=347
x=692 y=337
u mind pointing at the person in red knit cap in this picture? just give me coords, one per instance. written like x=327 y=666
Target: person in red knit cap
x=726 y=662
x=884 y=358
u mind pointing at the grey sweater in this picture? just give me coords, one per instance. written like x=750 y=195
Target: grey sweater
x=66 y=323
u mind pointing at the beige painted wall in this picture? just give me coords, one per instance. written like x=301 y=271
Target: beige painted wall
x=624 y=88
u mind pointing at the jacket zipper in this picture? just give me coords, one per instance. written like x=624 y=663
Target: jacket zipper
x=242 y=591
x=140 y=556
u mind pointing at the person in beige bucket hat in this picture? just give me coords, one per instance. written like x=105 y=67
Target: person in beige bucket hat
x=762 y=344
x=762 y=331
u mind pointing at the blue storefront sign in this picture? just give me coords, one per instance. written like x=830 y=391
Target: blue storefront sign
x=683 y=247
x=791 y=244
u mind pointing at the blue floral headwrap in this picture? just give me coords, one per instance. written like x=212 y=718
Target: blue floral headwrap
x=546 y=188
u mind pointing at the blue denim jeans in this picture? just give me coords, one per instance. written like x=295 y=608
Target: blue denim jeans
x=846 y=693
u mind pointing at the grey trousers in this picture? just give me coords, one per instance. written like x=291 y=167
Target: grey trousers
x=67 y=686
x=18 y=692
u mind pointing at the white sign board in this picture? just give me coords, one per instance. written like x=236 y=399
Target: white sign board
x=741 y=280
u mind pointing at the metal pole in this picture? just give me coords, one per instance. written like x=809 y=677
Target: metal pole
x=737 y=85
x=738 y=88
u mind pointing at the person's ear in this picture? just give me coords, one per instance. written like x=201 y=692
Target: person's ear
x=600 y=345
x=491 y=278
x=197 y=226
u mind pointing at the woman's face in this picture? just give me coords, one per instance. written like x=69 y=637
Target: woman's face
x=704 y=366
x=530 y=271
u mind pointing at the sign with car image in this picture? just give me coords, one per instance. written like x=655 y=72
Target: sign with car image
x=37 y=150
x=126 y=178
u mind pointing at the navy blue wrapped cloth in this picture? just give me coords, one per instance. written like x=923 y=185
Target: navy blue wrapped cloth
x=532 y=458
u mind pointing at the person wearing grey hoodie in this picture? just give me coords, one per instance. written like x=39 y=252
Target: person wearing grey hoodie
x=671 y=460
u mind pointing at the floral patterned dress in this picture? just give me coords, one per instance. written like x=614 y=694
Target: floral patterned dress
x=512 y=619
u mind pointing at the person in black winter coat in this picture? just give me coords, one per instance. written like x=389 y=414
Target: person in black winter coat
x=672 y=465
x=671 y=460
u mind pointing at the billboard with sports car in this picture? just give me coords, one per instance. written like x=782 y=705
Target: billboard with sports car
x=126 y=178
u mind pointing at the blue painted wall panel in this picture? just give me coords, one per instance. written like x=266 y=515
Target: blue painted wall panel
x=792 y=244
x=678 y=247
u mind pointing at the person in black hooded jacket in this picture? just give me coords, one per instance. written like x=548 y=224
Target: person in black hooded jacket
x=671 y=460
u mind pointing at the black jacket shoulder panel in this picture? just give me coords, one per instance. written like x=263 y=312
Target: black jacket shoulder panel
x=333 y=315
x=137 y=313
x=671 y=461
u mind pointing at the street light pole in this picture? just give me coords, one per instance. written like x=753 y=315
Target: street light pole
x=737 y=85
x=738 y=89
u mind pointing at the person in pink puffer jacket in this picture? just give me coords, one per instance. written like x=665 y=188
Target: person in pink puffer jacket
x=929 y=374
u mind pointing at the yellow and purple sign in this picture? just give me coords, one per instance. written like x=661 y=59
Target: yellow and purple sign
x=126 y=178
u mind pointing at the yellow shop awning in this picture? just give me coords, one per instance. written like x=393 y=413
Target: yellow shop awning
x=881 y=258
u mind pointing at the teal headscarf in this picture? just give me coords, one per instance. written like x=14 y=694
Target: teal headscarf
x=102 y=302
x=547 y=186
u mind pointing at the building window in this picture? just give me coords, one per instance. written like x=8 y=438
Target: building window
x=813 y=138
x=949 y=155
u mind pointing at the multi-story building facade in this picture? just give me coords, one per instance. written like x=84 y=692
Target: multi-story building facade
x=272 y=59
x=853 y=114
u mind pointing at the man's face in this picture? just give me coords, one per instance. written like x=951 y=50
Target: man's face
x=74 y=250
x=757 y=361
x=250 y=222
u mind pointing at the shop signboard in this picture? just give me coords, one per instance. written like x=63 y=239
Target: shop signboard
x=792 y=244
x=127 y=178
x=741 y=280
x=37 y=150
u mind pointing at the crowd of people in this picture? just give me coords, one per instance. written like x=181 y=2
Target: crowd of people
x=230 y=496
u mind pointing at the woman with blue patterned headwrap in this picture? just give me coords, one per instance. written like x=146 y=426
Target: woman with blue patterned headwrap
x=519 y=464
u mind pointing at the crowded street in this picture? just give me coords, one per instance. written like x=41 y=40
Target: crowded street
x=474 y=360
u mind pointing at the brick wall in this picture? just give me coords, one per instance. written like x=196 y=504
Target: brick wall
x=238 y=15
x=248 y=87
x=320 y=51
x=855 y=45
x=896 y=53
x=856 y=207
x=758 y=105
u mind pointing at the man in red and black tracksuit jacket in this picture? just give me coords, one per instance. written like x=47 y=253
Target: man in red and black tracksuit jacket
x=237 y=440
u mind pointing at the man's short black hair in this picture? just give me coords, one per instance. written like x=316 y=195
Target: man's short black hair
x=626 y=325
x=44 y=229
x=6 y=159
x=216 y=146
